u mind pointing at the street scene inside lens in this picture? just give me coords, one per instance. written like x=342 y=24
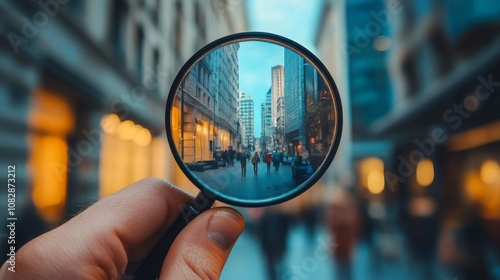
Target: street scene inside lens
x=257 y=120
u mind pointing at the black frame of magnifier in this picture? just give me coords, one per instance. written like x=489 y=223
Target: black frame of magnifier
x=151 y=266
x=263 y=37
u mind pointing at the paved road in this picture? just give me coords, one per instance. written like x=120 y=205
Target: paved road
x=262 y=186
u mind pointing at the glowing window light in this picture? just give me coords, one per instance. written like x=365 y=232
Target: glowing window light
x=371 y=172
x=126 y=130
x=110 y=123
x=49 y=165
x=50 y=113
x=160 y=162
x=490 y=172
x=474 y=187
x=142 y=137
x=125 y=154
x=52 y=117
x=425 y=172
x=375 y=181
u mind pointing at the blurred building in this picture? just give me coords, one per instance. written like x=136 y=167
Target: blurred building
x=83 y=87
x=445 y=122
x=246 y=113
x=331 y=40
x=361 y=48
x=439 y=175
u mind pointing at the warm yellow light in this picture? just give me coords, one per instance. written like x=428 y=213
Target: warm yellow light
x=49 y=166
x=490 y=172
x=50 y=113
x=425 y=172
x=367 y=165
x=110 y=123
x=474 y=186
x=125 y=154
x=475 y=137
x=375 y=181
x=160 y=167
x=126 y=130
x=142 y=137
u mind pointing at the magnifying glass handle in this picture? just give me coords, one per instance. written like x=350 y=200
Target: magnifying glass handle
x=151 y=266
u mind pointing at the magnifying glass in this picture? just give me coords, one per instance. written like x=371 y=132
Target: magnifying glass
x=212 y=130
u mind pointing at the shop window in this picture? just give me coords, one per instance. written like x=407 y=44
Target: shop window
x=50 y=119
x=126 y=154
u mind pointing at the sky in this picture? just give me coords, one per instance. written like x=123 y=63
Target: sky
x=255 y=62
x=294 y=19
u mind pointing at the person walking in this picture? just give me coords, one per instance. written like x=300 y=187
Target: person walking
x=268 y=159
x=243 y=162
x=276 y=160
x=255 y=162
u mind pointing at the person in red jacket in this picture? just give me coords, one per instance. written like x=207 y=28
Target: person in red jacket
x=268 y=159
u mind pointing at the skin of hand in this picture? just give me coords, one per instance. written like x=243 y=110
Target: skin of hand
x=122 y=229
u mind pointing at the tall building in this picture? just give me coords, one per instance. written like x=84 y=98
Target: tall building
x=358 y=64
x=331 y=40
x=225 y=87
x=266 y=120
x=445 y=123
x=83 y=93
x=277 y=106
x=246 y=113
x=294 y=100
x=208 y=100
x=442 y=121
x=307 y=104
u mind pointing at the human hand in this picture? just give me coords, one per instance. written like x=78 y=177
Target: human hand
x=122 y=229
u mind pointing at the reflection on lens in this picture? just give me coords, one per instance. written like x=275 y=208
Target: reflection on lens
x=253 y=120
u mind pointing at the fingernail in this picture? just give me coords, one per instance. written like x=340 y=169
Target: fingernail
x=224 y=228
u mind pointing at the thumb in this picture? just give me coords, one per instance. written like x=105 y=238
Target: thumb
x=203 y=246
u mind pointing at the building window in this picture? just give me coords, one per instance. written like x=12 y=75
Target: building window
x=201 y=26
x=126 y=154
x=51 y=120
x=118 y=28
x=140 y=52
x=178 y=26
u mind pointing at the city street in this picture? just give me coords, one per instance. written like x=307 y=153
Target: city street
x=263 y=186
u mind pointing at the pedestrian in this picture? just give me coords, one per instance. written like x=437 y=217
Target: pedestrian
x=232 y=154
x=243 y=162
x=225 y=158
x=272 y=231
x=268 y=159
x=276 y=160
x=255 y=162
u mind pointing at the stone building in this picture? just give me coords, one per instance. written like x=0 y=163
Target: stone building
x=83 y=86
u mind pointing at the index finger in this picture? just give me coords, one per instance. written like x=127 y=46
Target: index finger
x=137 y=215
x=103 y=239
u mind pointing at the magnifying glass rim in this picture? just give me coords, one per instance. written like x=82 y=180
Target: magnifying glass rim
x=274 y=39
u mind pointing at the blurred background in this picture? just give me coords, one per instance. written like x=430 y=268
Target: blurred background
x=414 y=192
